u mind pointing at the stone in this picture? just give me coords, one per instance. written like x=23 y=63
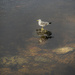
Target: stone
x=63 y=50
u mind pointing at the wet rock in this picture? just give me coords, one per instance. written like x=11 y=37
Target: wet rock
x=63 y=50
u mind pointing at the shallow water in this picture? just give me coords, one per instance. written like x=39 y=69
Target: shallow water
x=23 y=51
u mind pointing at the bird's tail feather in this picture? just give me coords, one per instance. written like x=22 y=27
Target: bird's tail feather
x=50 y=22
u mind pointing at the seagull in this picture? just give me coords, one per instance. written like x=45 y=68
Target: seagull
x=42 y=23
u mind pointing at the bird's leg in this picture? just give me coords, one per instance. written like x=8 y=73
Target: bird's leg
x=42 y=28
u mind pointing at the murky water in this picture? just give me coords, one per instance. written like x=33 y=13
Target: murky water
x=24 y=51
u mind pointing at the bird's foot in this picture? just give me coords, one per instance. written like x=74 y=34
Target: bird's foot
x=42 y=29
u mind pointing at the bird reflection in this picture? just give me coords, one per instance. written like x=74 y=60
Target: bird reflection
x=44 y=35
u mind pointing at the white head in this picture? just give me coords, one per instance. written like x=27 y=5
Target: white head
x=39 y=20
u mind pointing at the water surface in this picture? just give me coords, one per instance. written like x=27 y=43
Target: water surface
x=21 y=53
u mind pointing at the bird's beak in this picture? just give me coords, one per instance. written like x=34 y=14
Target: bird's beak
x=37 y=20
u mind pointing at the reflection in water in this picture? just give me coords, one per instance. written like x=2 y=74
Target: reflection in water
x=44 y=35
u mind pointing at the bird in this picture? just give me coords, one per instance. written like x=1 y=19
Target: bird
x=42 y=23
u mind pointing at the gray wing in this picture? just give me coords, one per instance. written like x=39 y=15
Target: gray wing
x=44 y=23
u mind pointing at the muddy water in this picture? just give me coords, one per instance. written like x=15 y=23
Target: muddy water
x=23 y=51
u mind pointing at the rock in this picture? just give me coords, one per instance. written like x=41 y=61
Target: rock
x=13 y=60
x=63 y=50
x=41 y=59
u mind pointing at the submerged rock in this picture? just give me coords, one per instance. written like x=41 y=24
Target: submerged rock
x=63 y=50
x=13 y=60
x=41 y=59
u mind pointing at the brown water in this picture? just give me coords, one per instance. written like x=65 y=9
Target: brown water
x=23 y=51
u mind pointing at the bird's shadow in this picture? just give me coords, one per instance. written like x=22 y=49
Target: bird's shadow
x=44 y=35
